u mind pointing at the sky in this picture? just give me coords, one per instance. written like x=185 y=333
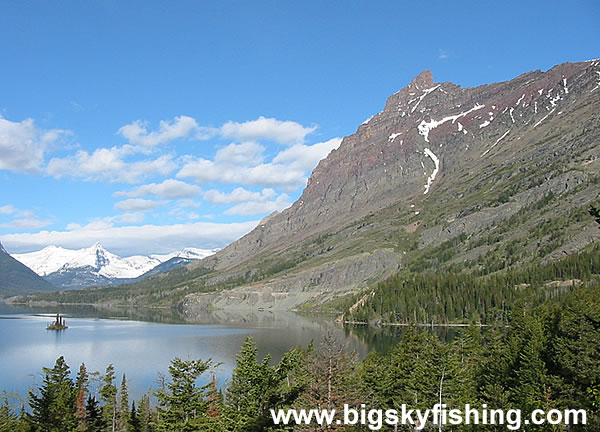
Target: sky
x=150 y=126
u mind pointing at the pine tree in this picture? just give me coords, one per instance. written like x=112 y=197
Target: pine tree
x=145 y=416
x=123 y=410
x=80 y=405
x=256 y=388
x=134 y=424
x=181 y=403
x=108 y=393
x=53 y=407
x=93 y=416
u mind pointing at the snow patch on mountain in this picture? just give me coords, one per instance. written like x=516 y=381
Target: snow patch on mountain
x=425 y=127
x=436 y=162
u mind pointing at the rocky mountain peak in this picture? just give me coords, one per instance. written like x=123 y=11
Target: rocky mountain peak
x=424 y=138
x=423 y=80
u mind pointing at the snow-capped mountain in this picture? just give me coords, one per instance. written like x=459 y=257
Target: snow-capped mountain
x=74 y=269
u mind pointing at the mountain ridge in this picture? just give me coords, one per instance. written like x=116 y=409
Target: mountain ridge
x=94 y=266
x=480 y=177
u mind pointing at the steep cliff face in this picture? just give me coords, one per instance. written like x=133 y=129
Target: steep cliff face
x=438 y=162
x=428 y=134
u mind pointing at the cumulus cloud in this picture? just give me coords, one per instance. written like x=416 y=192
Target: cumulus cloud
x=22 y=219
x=180 y=127
x=26 y=223
x=169 y=189
x=138 y=204
x=307 y=157
x=7 y=209
x=23 y=145
x=242 y=164
x=109 y=221
x=108 y=164
x=271 y=175
x=270 y=129
x=246 y=153
x=133 y=240
x=238 y=195
x=260 y=206
x=188 y=203
x=250 y=203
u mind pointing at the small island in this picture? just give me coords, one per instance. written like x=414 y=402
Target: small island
x=58 y=324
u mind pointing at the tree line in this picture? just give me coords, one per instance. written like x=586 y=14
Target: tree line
x=543 y=357
x=449 y=296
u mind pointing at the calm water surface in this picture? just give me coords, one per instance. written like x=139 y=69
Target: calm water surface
x=141 y=349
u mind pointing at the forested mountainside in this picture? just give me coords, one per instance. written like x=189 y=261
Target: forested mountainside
x=479 y=181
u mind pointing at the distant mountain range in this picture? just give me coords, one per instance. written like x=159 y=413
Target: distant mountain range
x=69 y=269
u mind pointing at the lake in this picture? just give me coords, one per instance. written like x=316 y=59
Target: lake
x=142 y=342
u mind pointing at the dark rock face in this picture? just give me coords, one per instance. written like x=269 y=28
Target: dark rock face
x=427 y=135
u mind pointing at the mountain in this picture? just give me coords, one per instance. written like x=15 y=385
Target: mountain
x=170 y=264
x=18 y=279
x=475 y=180
x=94 y=266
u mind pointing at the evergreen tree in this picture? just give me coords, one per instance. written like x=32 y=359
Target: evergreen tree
x=182 y=404
x=123 y=411
x=256 y=388
x=134 y=422
x=53 y=406
x=93 y=417
x=145 y=417
x=108 y=394
x=80 y=405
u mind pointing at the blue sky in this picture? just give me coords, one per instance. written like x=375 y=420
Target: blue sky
x=151 y=125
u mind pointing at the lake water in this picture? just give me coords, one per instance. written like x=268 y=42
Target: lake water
x=141 y=348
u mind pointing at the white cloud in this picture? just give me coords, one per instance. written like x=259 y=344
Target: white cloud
x=22 y=145
x=250 y=203
x=138 y=134
x=239 y=164
x=246 y=153
x=138 y=204
x=261 y=206
x=108 y=164
x=7 y=209
x=26 y=223
x=271 y=175
x=169 y=189
x=133 y=240
x=307 y=157
x=135 y=217
x=188 y=203
x=270 y=129
x=238 y=195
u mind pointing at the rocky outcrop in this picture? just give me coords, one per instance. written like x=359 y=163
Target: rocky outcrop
x=287 y=292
